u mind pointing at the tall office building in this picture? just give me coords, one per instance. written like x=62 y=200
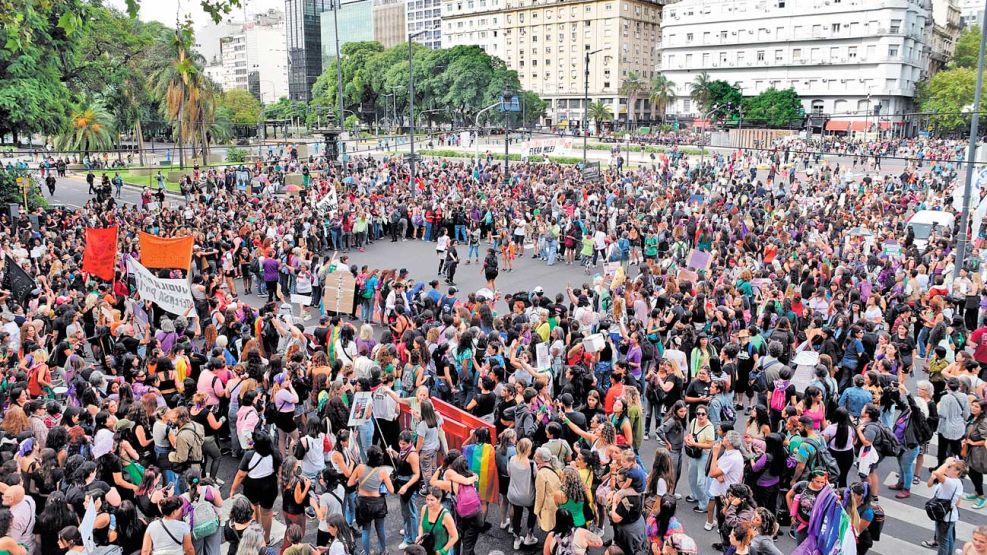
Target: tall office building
x=425 y=15
x=389 y=22
x=304 y=34
x=252 y=56
x=355 y=23
x=546 y=43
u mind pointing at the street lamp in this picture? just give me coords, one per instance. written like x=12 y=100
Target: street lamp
x=586 y=100
x=411 y=103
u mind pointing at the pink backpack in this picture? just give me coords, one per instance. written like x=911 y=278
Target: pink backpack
x=778 y=397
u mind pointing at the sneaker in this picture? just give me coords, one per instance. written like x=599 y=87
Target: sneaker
x=971 y=497
x=905 y=494
x=646 y=438
x=690 y=499
x=402 y=545
x=718 y=546
x=678 y=496
x=505 y=524
x=896 y=487
x=708 y=526
x=980 y=503
x=931 y=544
x=517 y=543
x=530 y=540
x=698 y=510
x=915 y=481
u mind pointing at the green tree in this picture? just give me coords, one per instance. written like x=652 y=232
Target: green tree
x=774 y=108
x=699 y=91
x=967 y=49
x=285 y=109
x=243 y=107
x=662 y=92
x=180 y=88
x=632 y=87
x=534 y=108
x=947 y=95
x=725 y=96
x=599 y=113
x=91 y=129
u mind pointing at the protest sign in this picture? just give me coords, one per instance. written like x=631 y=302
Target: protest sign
x=699 y=260
x=17 y=281
x=687 y=275
x=542 y=356
x=538 y=147
x=358 y=410
x=172 y=295
x=328 y=203
x=165 y=252
x=339 y=291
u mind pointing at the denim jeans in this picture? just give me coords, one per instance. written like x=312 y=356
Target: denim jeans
x=697 y=480
x=906 y=466
x=349 y=508
x=920 y=342
x=409 y=516
x=553 y=251
x=946 y=536
x=474 y=252
x=887 y=417
x=652 y=408
x=461 y=232
x=209 y=545
x=381 y=535
x=169 y=475
x=366 y=437
x=428 y=231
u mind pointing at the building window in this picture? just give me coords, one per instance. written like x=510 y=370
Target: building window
x=836 y=28
x=796 y=54
x=760 y=55
x=893 y=51
x=895 y=26
x=740 y=57
x=686 y=105
x=851 y=52
x=723 y=35
x=688 y=38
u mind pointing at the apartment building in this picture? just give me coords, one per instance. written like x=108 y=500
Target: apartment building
x=389 y=22
x=304 y=39
x=547 y=43
x=253 y=56
x=845 y=58
x=424 y=16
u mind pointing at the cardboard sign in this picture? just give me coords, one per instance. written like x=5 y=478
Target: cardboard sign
x=687 y=275
x=544 y=361
x=699 y=260
x=340 y=289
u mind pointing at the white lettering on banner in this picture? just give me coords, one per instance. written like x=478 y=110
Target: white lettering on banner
x=539 y=147
x=172 y=295
x=328 y=203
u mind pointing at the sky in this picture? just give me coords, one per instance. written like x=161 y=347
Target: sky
x=166 y=10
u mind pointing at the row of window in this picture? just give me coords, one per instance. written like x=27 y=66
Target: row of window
x=836 y=55
x=797 y=32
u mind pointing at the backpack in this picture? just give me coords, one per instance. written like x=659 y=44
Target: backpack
x=446 y=305
x=203 y=519
x=778 y=397
x=727 y=412
x=467 y=501
x=758 y=379
x=923 y=431
x=823 y=459
x=300 y=449
x=884 y=442
x=525 y=425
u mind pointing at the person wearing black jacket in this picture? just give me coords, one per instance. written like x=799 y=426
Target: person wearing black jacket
x=916 y=432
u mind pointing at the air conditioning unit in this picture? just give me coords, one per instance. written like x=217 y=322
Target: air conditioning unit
x=734 y=33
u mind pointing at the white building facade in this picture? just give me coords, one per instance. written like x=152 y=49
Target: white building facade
x=254 y=57
x=971 y=12
x=425 y=15
x=845 y=58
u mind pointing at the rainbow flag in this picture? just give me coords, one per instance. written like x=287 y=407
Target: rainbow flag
x=830 y=528
x=483 y=463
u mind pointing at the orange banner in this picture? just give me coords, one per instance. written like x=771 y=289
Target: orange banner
x=159 y=252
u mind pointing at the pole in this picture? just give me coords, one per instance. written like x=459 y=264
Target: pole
x=585 y=126
x=339 y=75
x=971 y=152
x=411 y=108
x=507 y=134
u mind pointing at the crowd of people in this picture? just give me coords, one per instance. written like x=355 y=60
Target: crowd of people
x=732 y=330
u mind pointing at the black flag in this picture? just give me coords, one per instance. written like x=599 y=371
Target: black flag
x=17 y=281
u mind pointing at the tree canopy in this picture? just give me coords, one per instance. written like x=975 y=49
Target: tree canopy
x=967 y=49
x=947 y=95
x=243 y=107
x=774 y=108
x=451 y=84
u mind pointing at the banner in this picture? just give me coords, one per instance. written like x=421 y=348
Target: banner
x=538 y=147
x=328 y=203
x=100 y=254
x=159 y=252
x=17 y=281
x=172 y=295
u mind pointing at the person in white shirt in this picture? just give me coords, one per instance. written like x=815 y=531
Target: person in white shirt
x=726 y=468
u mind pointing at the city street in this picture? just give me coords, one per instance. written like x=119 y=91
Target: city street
x=906 y=526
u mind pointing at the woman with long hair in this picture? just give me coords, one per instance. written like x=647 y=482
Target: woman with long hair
x=295 y=488
x=856 y=501
x=661 y=522
x=57 y=514
x=205 y=416
x=759 y=422
x=813 y=406
x=662 y=478
x=635 y=414
x=505 y=451
x=671 y=434
x=371 y=506
x=841 y=438
x=521 y=493
x=767 y=471
x=343 y=542
x=428 y=440
x=169 y=534
x=975 y=452
x=567 y=537
x=621 y=422
x=574 y=496
x=127 y=529
x=258 y=475
x=241 y=517
x=253 y=542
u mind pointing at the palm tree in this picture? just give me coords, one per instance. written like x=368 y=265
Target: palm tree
x=662 y=92
x=632 y=87
x=700 y=91
x=599 y=112
x=179 y=86
x=91 y=129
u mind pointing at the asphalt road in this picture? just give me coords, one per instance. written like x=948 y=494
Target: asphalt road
x=906 y=525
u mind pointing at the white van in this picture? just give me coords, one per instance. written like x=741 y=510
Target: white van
x=924 y=221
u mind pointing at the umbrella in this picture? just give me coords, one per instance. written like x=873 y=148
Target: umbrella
x=292 y=188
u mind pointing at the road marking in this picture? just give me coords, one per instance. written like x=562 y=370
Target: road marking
x=916 y=517
x=890 y=545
